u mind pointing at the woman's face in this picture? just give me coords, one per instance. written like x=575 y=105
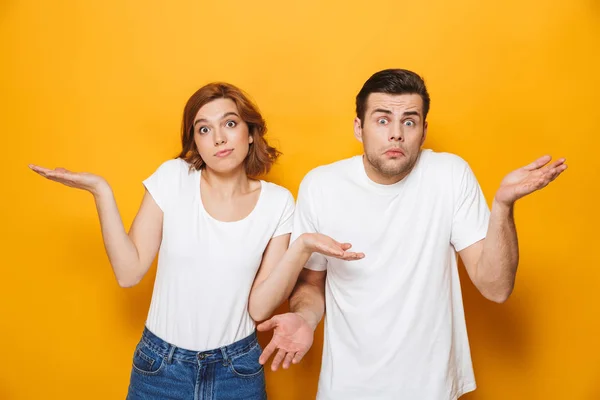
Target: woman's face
x=221 y=136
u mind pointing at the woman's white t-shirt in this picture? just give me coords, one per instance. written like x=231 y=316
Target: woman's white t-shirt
x=206 y=267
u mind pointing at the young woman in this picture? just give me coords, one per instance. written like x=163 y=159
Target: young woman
x=224 y=261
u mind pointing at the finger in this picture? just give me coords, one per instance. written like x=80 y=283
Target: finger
x=345 y=246
x=59 y=177
x=267 y=325
x=350 y=256
x=53 y=173
x=278 y=359
x=288 y=360
x=551 y=173
x=322 y=248
x=557 y=171
x=267 y=352
x=56 y=173
x=547 y=177
x=42 y=172
x=298 y=357
x=540 y=162
x=38 y=169
x=563 y=167
x=555 y=164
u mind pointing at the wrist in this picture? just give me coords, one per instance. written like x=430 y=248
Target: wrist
x=503 y=206
x=309 y=318
x=101 y=189
x=304 y=243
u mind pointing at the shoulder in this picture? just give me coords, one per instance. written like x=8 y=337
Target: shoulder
x=442 y=159
x=442 y=164
x=277 y=192
x=326 y=174
x=173 y=168
x=278 y=202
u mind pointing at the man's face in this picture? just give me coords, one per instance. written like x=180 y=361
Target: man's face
x=392 y=133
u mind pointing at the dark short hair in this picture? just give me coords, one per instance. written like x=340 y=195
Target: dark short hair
x=392 y=81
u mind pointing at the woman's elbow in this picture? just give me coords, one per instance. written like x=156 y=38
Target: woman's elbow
x=127 y=283
x=128 y=280
x=259 y=311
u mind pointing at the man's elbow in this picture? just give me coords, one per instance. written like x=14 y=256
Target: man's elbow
x=499 y=296
x=496 y=287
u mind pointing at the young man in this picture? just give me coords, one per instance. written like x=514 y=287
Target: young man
x=395 y=326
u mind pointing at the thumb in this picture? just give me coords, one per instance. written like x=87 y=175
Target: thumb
x=267 y=325
x=540 y=162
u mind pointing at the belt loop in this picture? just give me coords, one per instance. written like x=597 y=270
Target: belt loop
x=170 y=356
x=225 y=357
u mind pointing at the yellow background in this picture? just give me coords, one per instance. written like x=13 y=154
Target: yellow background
x=100 y=86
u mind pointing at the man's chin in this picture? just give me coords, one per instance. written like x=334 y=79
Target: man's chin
x=391 y=168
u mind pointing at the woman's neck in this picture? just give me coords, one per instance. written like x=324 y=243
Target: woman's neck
x=226 y=185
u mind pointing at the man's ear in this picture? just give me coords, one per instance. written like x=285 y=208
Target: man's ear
x=358 y=129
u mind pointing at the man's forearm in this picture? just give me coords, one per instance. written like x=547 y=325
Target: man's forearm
x=497 y=266
x=308 y=301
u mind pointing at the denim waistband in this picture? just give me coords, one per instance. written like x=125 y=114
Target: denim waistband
x=220 y=354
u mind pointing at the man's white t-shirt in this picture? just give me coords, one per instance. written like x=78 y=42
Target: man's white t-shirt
x=394 y=324
x=206 y=267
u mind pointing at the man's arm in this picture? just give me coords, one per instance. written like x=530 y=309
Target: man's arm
x=492 y=262
x=308 y=297
x=294 y=331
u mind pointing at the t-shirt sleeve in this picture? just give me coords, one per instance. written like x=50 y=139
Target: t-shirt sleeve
x=305 y=221
x=471 y=212
x=160 y=183
x=286 y=221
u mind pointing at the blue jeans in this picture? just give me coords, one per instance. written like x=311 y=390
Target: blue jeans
x=163 y=371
